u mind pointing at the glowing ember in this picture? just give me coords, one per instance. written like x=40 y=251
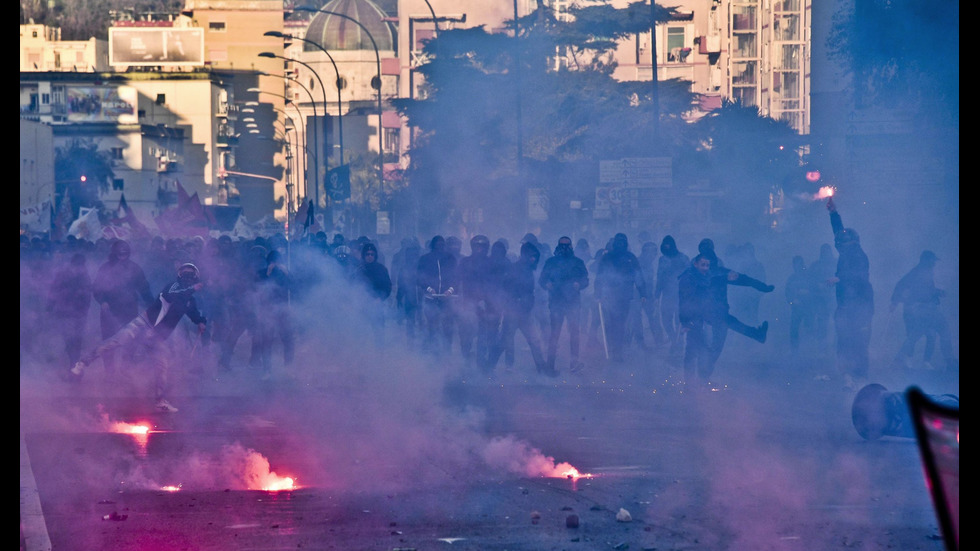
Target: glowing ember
x=280 y=484
x=170 y=488
x=128 y=428
x=826 y=191
x=564 y=470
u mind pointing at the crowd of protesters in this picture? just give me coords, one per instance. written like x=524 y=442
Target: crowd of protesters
x=606 y=302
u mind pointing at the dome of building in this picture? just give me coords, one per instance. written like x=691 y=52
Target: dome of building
x=335 y=32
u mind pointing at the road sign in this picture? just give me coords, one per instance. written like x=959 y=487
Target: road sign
x=637 y=172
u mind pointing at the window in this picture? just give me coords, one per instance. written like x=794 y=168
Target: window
x=675 y=44
x=117 y=184
x=216 y=26
x=45 y=98
x=117 y=153
x=33 y=34
x=391 y=144
x=161 y=99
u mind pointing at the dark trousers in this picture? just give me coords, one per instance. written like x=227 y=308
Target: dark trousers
x=560 y=312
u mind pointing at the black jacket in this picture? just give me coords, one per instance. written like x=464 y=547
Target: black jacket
x=562 y=272
x=173 y=303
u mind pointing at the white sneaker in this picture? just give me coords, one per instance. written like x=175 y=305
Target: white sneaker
x=76 y=370
x=165 y=406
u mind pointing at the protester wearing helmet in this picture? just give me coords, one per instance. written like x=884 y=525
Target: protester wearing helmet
x=152 y=327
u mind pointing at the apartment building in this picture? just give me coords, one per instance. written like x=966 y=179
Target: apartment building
x=41 y=49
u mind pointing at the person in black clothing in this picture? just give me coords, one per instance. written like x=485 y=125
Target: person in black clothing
x=693 y=293
x=821 y=271
x=518 y=286
x=437 y=280
x=373 y=277
x=855 y=301
x=799 y=296
x=273 y=287
x=152 y=327
x=119 y=286
x=496 y=299
x=69 y=299
x=918 y=294
x=717 y=314
x=407 y=296
x=669 y=267
x=473 y=324
x=564 y=276
x=617 y=274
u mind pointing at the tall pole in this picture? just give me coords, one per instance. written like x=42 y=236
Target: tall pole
x=655 y=89
x=340 y=105
x=316 y=160
x=323 y=94
x=300 y=147
x=376 y=84
x=308 y=93
x=303 y=149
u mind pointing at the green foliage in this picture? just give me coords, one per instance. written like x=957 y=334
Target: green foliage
x=900 y=53
x=82 y=170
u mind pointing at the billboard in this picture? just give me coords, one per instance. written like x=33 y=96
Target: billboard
x=101 y=104
x=155 y=46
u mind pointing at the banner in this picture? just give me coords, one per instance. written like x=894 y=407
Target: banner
x=37 y=218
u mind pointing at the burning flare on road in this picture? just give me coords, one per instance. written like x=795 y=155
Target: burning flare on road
x=519 y=457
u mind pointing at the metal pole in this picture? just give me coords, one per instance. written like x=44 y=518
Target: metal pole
x=316 y=160
x=377 y=59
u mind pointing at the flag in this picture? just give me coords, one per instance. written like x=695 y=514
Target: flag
x=299 y=225
x=338 y=183
x=124 y=216
x=182 y=195
x=187 y=219
x=87 y=226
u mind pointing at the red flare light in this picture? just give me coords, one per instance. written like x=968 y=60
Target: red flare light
x=823 y=193
x=565 y=470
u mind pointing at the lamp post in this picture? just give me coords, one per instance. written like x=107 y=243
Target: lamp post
x=300 y=145
x=375 y=83
x=316 y=160
x=308 y=93
x=316 y=193
x=337 y=83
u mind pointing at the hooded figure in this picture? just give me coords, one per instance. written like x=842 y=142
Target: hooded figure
x=518 y=290
x=855 y=301
x=436 y=274
x=919 y=297
x=617 y=274
x=669 y=267
x=564 y=276
x=373 y=276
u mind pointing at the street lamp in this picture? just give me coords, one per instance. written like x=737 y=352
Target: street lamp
x=308 y=93
x=271 y=55
x=316 y=159
x=375 y=82
x=337 y=83
x=300 y=145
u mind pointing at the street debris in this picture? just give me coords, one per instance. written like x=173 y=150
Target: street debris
x=571 y=521
x=623 y=515
x=114 y=516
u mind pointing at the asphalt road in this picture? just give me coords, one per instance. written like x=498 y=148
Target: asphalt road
x=395 y=453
